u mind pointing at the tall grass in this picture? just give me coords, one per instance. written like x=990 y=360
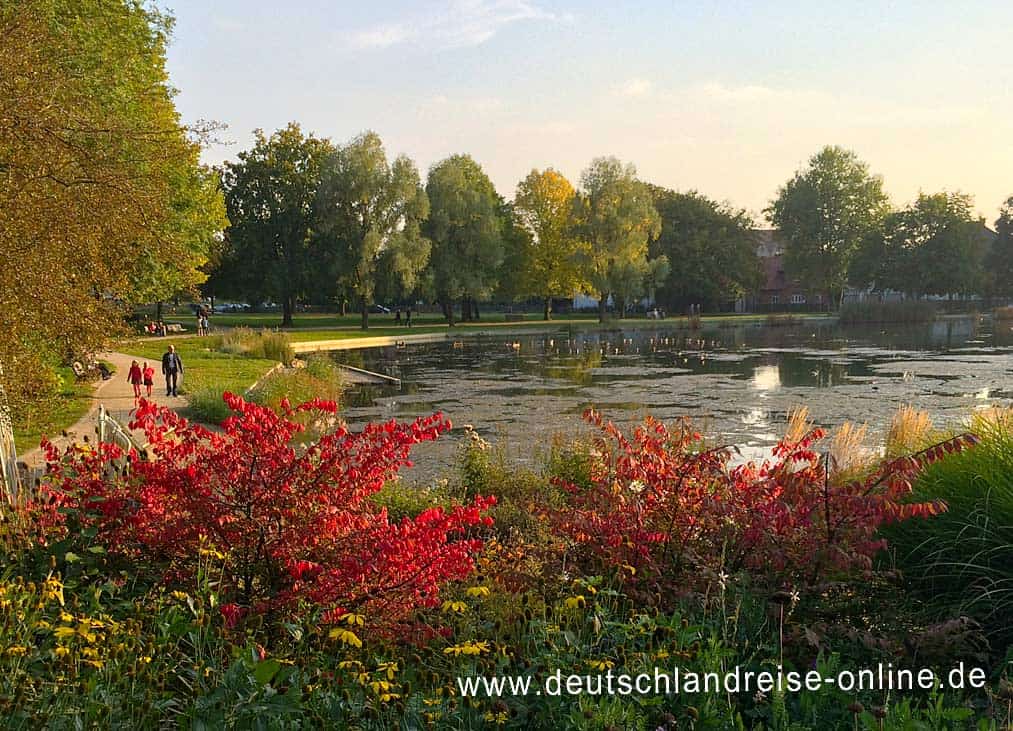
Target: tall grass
x=910 y=431
x=961 y=562
x=266 y=344
x=905 y=311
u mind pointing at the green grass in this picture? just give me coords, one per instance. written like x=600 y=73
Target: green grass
x=961 y=562
x=69 y=403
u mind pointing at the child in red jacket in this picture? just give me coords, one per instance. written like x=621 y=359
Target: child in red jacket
x=135 y=377
x=149 y=377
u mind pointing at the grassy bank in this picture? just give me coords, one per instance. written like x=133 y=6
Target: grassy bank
x=68 y=403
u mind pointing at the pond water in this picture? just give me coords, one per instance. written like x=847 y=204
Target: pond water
x=737 y=382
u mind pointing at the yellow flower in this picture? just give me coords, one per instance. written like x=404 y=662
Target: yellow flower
x=601 y=664
x=354 y=619
x=457 y=606
x=575 y=602
x=345 y=636
x=467 y=648
x=43 y=624
x=477 y=591
x=390 y=668
x=62 y=651
x=432 y=701
x=497 y=718
x=180 y=595
x=64 y=617
x=17 y=651
x=64 y=632
x=347 y=664
x=662 y=654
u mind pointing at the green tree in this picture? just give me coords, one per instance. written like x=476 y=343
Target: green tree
x=934 y=246
x=551 y=261
x=466 y=226
x=617 y=219
x=101 y=200
x=369 y=213
x=999 y=259
x=271 y=192
x=824 y=213
x=710 y=247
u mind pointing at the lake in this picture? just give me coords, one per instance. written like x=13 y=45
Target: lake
x=737 y=382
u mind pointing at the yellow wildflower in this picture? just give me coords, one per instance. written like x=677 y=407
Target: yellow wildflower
x=601 y=664
x=354 y=619
x=390 y=668
x=575 y=602
x=345 y=636
x=478 y=591
x=454 y=606
x=17 y=651
x=467 y=648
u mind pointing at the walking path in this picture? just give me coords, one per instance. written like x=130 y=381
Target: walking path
x=117 y=395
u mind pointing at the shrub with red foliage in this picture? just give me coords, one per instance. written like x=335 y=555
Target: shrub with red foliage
x=667 y=511
x=293 y=524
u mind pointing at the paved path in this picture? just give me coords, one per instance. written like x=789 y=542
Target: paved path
x=117 y=395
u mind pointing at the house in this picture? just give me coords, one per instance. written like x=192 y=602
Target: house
x=778 y=292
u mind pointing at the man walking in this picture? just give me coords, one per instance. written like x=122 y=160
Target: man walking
x=172 y=367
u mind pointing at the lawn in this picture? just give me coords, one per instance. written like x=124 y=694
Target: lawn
x=69 y=404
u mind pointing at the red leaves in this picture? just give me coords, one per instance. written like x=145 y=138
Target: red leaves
x=673 y=514
x=291 y=524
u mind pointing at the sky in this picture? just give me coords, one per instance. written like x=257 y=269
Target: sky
x=726 y=98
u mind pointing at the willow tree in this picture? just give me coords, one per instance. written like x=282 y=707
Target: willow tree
x=465 y=225
x=101 y=197
x=617 y=219
x=369 y=212
x=552 y=261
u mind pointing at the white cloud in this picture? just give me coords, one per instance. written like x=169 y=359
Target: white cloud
x=636 y=87
x=460 y=23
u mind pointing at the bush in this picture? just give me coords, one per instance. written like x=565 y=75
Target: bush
x=266 y=344
x=207 y=406
x=961 y=562
x=291 y=526
x=320 y=378
x=904 y=311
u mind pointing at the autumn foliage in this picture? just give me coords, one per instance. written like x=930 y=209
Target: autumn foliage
x=659 y=507
x=290 y=524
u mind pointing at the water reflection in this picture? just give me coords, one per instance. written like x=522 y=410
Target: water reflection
x=739 y=382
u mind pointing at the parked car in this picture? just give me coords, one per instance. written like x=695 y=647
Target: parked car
x=380 y=310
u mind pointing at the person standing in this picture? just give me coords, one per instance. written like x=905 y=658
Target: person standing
x=172 y=368
x=135 y=377
x=148 y=371
x=397 y=316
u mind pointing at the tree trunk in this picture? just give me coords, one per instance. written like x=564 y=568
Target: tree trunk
x=365 y=312
x=344 y=306
x=547 y=312
x=602 y=296
x=465 y=309
x=287 y=306
x=448 y=311
x=158 y=312
x=474 y=309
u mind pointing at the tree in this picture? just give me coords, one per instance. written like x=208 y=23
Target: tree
x=710 y=248
x=465 y=226
x=823 y=214
x=934 y=246
x=551 y=261
x=999 y=259
x=617 y=219
x=271 y=194
x=369 y=212
x=101 y=201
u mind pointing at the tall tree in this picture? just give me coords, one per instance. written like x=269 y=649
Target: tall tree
x=271 y=193
x=465 y=226
x=101 y=197
x=934 y=246
x=999 y=259
x=617 y=219
x=823 y=214
x=710 y=247
x=369 y=213
x=551 y=261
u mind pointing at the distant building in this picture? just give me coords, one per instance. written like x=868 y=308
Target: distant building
x=779 y=292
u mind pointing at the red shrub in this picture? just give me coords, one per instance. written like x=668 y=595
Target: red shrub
x=665 y=511
x=293 y=524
